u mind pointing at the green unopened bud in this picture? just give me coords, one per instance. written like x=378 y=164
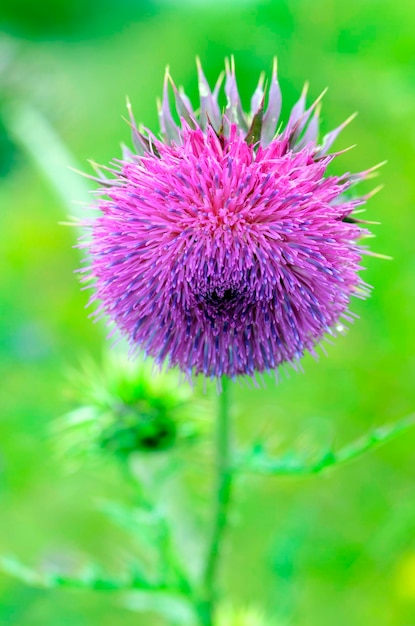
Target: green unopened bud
x=125 y=406
x=139 y=427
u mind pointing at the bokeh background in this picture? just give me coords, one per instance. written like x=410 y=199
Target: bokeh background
x=337 y=549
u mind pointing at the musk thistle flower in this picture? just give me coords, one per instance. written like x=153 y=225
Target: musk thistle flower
x=223 y=246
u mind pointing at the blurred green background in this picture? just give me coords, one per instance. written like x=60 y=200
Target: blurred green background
x=337 y=549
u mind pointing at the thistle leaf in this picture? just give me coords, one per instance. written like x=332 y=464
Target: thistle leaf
x=258 y=461
x=91 y=578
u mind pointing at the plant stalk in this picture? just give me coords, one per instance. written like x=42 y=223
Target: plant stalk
x=224 y=475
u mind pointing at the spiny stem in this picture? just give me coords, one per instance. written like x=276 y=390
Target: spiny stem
x=222 y=500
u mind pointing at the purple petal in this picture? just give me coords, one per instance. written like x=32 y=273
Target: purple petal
x=209 y=107
x=272 y=114
x=331 y=137
x=258 y=95
x=168 y=126
x=311 y=132
x=183 y=106
x=297 y=111
x=233 y=112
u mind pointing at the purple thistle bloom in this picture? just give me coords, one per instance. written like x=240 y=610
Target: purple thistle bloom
x=224 y=248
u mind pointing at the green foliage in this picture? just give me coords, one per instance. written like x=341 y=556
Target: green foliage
x=249 y=616
x=258 y=461
x=92 y=578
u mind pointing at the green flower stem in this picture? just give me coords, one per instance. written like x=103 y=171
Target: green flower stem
x=170 y=560
x=224 y=476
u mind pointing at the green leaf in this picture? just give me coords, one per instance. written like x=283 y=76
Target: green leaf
x=10 y=565
x=175 y=609
x=258 y=461
x=91 y=578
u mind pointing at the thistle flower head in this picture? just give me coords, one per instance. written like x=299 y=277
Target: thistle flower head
x=224 y=247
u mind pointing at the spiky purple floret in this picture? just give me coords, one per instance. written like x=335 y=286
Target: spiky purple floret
x=225 y=248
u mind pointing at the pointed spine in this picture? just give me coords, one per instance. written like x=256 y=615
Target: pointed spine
x=168 y=126
x=272 y=114
x=209 y=107
x=233 y=112
x=331 y=137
